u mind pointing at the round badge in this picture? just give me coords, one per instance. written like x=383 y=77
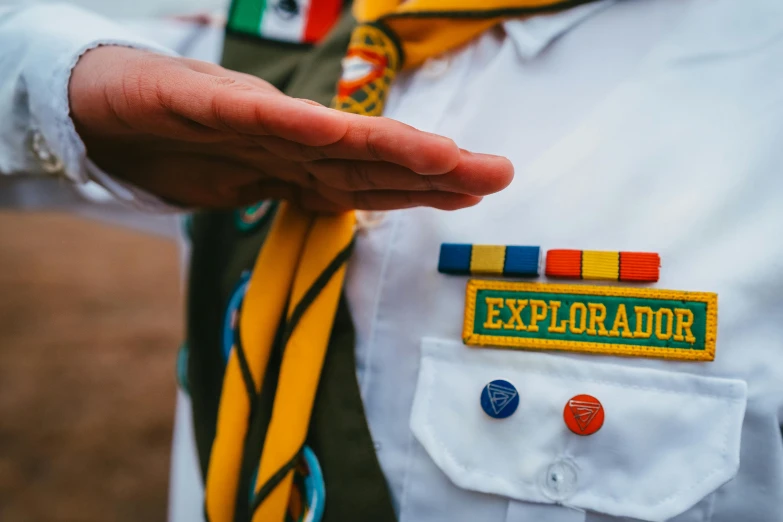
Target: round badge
x=249 y=217
x=231 y=318
x=499 y=399
x=583 y=414
x=308 y=494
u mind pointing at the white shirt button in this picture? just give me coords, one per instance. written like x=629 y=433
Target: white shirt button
x=50 y=163
x=435 y=67
x=560 y=480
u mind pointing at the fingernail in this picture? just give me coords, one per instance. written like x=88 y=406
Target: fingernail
x=445 y=139
x=484 y=155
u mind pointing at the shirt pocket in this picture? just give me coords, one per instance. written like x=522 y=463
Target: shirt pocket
x=668 y=440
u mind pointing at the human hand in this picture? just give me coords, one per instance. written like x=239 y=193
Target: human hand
x=200 y=135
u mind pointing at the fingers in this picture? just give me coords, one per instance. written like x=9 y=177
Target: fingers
x=475 y=174
x=333 y=201
x=204 y=181
x=398 y=199
x=376 y=139
x=382 y=139
x=480 y=174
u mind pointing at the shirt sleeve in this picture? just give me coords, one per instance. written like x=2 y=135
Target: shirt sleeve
x=39 y=46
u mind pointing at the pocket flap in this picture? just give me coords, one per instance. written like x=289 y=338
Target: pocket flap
x=668 y=438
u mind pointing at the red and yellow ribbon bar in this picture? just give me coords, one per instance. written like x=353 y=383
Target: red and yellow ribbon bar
x=637 y=267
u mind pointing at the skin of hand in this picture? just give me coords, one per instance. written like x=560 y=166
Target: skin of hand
x=199 y=135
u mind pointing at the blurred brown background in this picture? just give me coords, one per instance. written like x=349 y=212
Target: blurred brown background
x=90 y=323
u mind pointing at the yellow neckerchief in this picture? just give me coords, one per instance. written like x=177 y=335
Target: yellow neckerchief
x=427 y=28
x=302 y=261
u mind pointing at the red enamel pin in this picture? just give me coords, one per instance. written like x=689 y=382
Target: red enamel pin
x=584 y=414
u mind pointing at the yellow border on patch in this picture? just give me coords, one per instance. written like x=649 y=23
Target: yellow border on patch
x=627 y=350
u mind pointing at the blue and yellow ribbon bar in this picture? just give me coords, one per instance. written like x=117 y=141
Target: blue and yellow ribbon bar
x=511 y=260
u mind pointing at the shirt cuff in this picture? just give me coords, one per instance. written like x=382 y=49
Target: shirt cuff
x=63 y=34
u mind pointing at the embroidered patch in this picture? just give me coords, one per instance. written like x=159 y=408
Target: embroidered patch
x=369 y=67
x=294 y=21
x=360 y=66
x=608 y=266
x=636 y=322
x=463 y=259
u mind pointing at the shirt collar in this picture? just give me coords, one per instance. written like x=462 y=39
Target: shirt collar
x=532 y=35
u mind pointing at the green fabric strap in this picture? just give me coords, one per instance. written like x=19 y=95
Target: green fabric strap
x=356 y=489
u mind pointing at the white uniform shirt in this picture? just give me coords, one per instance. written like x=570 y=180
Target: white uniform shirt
x=652 y=125
x=645 y=125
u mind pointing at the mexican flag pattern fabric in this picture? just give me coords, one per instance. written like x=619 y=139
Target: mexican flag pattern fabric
x=292 y=21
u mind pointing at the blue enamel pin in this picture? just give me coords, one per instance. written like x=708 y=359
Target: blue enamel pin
x=499 y=399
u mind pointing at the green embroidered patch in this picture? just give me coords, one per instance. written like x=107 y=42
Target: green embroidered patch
x=637 y=322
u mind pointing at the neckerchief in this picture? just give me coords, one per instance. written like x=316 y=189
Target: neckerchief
x=298 y=275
